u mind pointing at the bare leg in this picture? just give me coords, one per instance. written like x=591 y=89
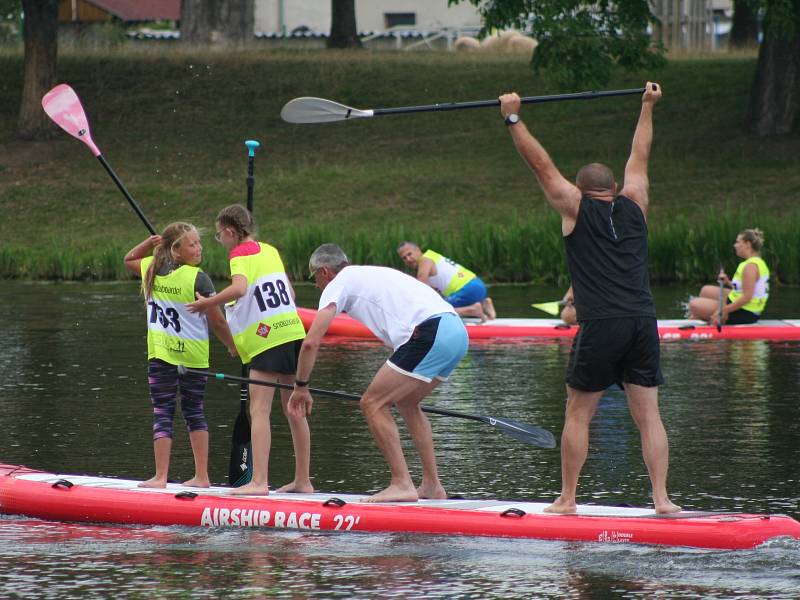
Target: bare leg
x=420 y=429
x=643 y=404
x=473 y=310
x=488 y=309
x=199 y=441
x=387 y=388
x=161 y=449
x=581 y=407
x=703 y=308
x=260 y=434
x=301 y=442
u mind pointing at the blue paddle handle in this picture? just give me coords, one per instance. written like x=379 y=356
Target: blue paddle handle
x=252 y=146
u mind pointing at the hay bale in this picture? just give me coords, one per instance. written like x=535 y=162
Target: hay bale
x=467 y=44
x=523 y=45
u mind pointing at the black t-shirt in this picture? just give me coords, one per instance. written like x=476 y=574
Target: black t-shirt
x=607 y=258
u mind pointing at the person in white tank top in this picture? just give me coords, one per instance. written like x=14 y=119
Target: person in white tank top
x=427 y=338
x=470 y=300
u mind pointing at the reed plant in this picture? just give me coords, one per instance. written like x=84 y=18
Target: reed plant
x=524 y=250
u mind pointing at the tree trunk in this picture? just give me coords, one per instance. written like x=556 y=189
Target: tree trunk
x=197 y=21
x=343 y=25
x=40 y=29
x=236 y=21
x=744 y=30
x=775 y=95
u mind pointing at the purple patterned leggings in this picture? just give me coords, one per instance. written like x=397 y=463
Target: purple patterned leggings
x=165 y=383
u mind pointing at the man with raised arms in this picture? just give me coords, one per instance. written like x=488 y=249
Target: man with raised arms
x=428 y=340
x=459 y=286
x=605 y=234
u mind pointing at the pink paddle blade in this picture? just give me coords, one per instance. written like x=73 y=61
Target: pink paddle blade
x=63 y=106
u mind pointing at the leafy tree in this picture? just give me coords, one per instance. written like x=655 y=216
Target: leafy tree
x=343 y=25
x=775 y=95
x=744 y=29
x=580 y=41
x=40 y=29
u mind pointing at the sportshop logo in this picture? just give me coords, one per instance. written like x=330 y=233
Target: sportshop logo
x=263 y=330
x=167 y=289
x=286 y=323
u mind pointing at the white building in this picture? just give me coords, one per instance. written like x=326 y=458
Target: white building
x=278 y=16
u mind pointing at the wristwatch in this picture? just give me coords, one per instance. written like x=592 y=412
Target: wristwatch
x=299 y=383
x=512 y=119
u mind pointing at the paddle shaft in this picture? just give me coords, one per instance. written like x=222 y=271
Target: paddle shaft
x=331 y=394
x=126 y=193
x=525 y=100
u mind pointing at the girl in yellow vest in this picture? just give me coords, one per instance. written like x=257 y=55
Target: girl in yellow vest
x=268 y=334
x=167 y=264
x=749 y=288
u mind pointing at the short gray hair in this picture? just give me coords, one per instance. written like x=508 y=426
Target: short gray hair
x=328 y=255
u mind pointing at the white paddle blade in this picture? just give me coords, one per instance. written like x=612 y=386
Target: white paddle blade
x=63 y=106
x=319 y=110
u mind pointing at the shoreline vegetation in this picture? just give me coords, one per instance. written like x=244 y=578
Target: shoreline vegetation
x=173 y=126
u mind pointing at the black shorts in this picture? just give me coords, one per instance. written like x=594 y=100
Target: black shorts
x=620 y=350
x=741 y=317
x=280 y=359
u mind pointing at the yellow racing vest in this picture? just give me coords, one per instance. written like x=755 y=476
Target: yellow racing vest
x=450 y=276
x=266 y=316
x=175 y=335
x=761 y=291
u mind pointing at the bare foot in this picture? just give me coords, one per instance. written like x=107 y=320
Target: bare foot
x=251 y=489
x=562 y=507
x=432 y=492
x=394 y=493
x=488 y=308
x=473 y=310
x=199 y=482
x=667 y=507
x=295 y=487
x=153 y=483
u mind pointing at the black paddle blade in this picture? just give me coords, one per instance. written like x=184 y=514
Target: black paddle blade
x=240 y=468
x=529 y=434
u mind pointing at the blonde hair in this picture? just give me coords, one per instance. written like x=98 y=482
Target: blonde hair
x=755 y=237
x=238 y=218
x=163 y=254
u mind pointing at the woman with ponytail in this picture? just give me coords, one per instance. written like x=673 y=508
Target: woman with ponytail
x=749 y=288
x=168 y=265
x=268 y=334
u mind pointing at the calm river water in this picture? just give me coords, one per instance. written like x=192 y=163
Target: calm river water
x=73 y=398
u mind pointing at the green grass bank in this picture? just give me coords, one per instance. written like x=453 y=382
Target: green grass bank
x=173 y=128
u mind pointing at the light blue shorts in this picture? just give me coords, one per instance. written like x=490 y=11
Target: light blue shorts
x=434 y=350
x=474 y=291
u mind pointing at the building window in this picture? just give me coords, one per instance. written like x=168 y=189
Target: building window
x=395 y=19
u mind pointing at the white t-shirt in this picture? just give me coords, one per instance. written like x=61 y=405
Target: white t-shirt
x=390 y=303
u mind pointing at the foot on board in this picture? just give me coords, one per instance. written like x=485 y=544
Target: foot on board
x=394 y=493
x=198 y=482
x=488 y=309
x=251 y=489
x=432 y=492
x=153 y=483
x=295 y=487
x=667 y=508
x=562 y=507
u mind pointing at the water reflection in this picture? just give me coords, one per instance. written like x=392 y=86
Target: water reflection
x=73 y=397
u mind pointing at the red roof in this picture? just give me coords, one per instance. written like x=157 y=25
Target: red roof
x=141 y=10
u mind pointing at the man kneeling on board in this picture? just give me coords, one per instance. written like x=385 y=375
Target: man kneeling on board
x=458 y=285
x=427 y=338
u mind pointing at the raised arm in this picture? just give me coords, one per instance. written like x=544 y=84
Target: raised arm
x=133 y=259
x=561 y=194
x=425 y=269
x=636 y=184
